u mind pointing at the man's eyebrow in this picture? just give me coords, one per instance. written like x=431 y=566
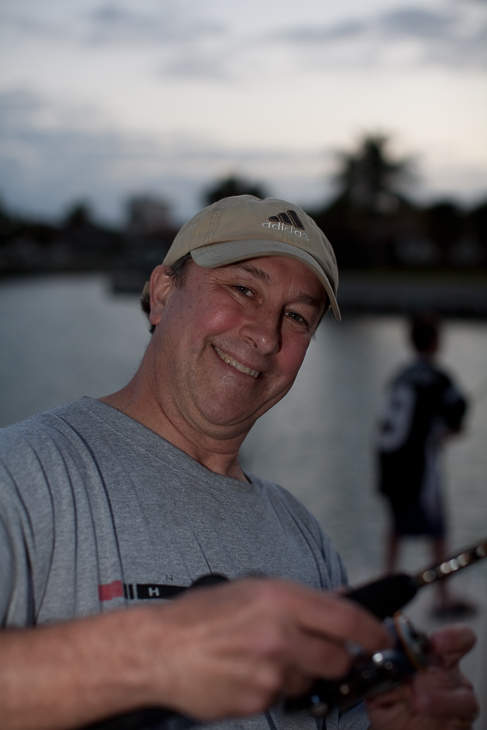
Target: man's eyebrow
x=312 y=301
x=253 y=270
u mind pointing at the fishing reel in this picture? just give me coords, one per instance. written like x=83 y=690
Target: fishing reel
x=369 y=675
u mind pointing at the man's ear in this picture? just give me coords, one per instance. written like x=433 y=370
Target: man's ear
x=160 y=285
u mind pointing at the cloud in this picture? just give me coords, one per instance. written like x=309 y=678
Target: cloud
x=181 y=39
x=162 y=23
x=418 y=23
x=338 y=32
x=123 y=24
x=197 y=66
x=189 y=41
x=18 y=106
x=455 y=36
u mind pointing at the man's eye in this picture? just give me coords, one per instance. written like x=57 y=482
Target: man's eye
x=243 y=290
x=297 y=318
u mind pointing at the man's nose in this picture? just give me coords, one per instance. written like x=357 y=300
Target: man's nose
x=264 y=332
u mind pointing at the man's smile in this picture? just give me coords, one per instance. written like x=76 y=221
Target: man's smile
x=235 y=364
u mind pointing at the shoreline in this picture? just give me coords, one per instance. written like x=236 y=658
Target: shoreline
x=448 y=293
x=453 y=294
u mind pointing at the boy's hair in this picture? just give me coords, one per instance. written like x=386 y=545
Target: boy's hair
x=424 y=331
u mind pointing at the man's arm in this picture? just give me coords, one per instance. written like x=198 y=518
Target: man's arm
x=67 y=675
x=220 y=652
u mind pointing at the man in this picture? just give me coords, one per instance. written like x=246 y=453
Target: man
x=125 y=501
x=424 y=407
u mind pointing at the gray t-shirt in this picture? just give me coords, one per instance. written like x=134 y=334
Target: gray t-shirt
x=98 y=512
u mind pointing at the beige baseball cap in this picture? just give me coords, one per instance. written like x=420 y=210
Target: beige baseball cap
x=244 y=227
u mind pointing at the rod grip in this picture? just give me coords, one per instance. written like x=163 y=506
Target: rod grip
x=385 y=596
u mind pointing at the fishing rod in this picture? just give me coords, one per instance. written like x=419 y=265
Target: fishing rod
x=370 y=675
x=385 y=596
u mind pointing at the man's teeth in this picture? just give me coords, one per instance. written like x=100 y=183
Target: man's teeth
x=235 y=364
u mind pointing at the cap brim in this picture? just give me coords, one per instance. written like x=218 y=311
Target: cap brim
x=229 y=252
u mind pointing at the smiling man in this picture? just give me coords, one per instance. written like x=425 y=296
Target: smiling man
x=126 y=501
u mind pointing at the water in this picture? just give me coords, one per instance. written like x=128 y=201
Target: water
x=63 y=337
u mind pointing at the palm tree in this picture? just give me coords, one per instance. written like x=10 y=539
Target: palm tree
x=369 y=180
x=370 y=208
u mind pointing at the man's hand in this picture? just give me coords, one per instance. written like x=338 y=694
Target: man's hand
x=438 y=698
x=235 y=649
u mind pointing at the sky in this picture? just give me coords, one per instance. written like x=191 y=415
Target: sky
x=102 y=100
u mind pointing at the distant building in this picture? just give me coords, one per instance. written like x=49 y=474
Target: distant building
x=148 y=216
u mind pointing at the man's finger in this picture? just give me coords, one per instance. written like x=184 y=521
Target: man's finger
x=333 y=616
x=451 y=643
x=459 y=703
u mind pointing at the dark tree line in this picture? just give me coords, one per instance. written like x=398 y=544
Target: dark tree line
x=371 y=220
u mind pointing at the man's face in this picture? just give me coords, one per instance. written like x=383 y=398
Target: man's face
x=229 y=343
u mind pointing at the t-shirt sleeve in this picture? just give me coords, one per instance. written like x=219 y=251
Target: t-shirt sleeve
x=16 y=604
x=26 y=527
x=7 y=570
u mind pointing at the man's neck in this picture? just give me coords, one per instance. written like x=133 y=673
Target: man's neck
x=219 y=456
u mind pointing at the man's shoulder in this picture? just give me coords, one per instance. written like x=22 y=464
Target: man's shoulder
x=45 y=432
x=42 y=422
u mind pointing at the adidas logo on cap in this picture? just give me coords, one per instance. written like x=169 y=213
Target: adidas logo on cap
x=290 y=217
x=287 y=221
